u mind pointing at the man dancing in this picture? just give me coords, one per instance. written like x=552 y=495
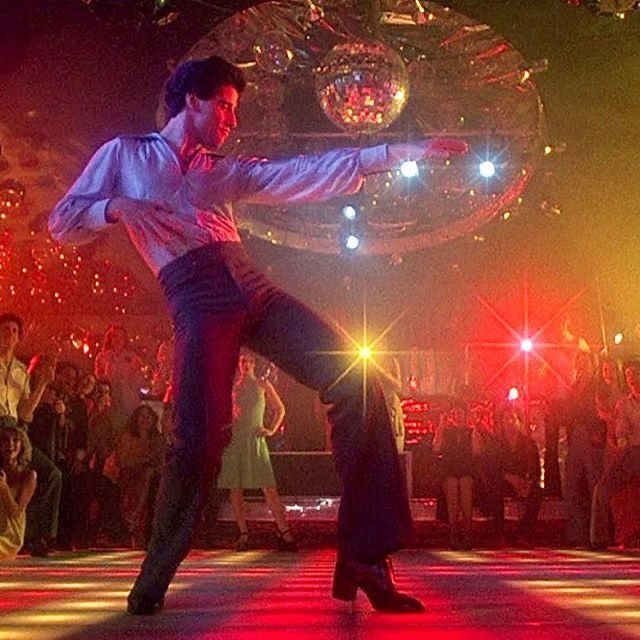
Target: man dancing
x=174 y=194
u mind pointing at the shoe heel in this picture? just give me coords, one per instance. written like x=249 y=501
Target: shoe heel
x=344 y=587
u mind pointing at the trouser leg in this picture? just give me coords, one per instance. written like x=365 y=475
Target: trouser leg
x=206 y=357
x=452 y=494
x=42 y=511
x=466 y=503
x=577 y=529
x=532 y=505
x=374 y=517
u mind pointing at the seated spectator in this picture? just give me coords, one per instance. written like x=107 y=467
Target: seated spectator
x=625 y=468
x=22 y=391
x=140 y=454
x=518 y=469
x=487 y=475
x=453 y=441
x=17 y=485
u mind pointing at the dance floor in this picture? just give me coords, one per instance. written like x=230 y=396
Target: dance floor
x=264 y=594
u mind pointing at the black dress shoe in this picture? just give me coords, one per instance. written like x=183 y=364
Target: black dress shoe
x=378 y=583
x=141 y=606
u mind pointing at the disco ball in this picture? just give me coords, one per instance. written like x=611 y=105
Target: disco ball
x=362 y=86
x=380 y=70
x=273 y=51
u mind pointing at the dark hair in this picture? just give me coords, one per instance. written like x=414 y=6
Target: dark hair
x=132 y=423
x=616 y=363
x=12 y=317
x=65 y=364
x=24 y=458
x=104 y=382
x=203 y=78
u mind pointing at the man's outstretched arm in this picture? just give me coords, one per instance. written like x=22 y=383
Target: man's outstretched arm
x=309 y=178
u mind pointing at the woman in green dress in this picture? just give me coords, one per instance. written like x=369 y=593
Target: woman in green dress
x=246 y=463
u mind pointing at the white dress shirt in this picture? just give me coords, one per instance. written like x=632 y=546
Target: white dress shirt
x=14 y=386
x=147 y=168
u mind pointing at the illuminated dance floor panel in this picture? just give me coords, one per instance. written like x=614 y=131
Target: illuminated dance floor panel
x=541 y=594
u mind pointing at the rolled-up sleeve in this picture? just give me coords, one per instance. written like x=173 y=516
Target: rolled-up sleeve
x=80 y=215
x=307 y=178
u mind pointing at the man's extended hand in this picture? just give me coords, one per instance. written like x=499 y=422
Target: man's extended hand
x=427 y=148
x=445 y=147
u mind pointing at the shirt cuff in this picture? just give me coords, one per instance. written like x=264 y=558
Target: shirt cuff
x=374 y=159
x=96 y=215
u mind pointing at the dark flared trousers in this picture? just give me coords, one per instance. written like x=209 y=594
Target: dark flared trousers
x=219 y=303
x=43 y=509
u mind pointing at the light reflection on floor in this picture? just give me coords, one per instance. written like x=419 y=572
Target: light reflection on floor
x=540 y=594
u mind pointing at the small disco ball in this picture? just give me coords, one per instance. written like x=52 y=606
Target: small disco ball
x=362 y=86
x=273 y=51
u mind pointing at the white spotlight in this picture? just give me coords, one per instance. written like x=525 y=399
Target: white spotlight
x=487 y=169
x=526 y=345
x=352 y=242
x=409 y=169
x=617 y=339
x=350 y=212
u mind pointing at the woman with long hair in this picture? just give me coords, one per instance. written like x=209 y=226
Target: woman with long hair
x=17 y=485
x=139 y=455
x=453 y=441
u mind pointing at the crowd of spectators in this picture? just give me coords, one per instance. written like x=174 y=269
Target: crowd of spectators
x=81 y=451
x=95 y=446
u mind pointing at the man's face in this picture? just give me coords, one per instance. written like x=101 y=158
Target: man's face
x=215 y=119
x=66 y=379
x=9 y=335
x=632 y=378
x=608 y=372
